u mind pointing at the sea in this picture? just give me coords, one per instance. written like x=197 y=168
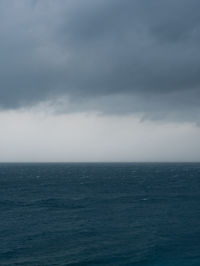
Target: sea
x=143 y=214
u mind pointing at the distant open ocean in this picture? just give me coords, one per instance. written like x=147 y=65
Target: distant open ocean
x=100 y=214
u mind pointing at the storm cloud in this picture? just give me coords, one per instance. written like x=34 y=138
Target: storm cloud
x=112 y=56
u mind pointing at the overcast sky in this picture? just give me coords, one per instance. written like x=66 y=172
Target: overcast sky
x=99 y=80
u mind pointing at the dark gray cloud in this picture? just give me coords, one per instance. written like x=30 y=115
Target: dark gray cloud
x=112 y=55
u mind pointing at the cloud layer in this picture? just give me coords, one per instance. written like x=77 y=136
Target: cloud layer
x=113 y=56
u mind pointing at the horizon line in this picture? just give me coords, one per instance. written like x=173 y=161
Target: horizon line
x=93 y=162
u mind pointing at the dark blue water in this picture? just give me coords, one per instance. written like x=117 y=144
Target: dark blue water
x=100 y=214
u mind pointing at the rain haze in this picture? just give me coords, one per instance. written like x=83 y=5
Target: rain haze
x=99 y=80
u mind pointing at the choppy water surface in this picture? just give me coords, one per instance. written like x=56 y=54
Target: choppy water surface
x=100 y=214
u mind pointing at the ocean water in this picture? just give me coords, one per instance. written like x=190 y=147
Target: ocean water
x=100 y=214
